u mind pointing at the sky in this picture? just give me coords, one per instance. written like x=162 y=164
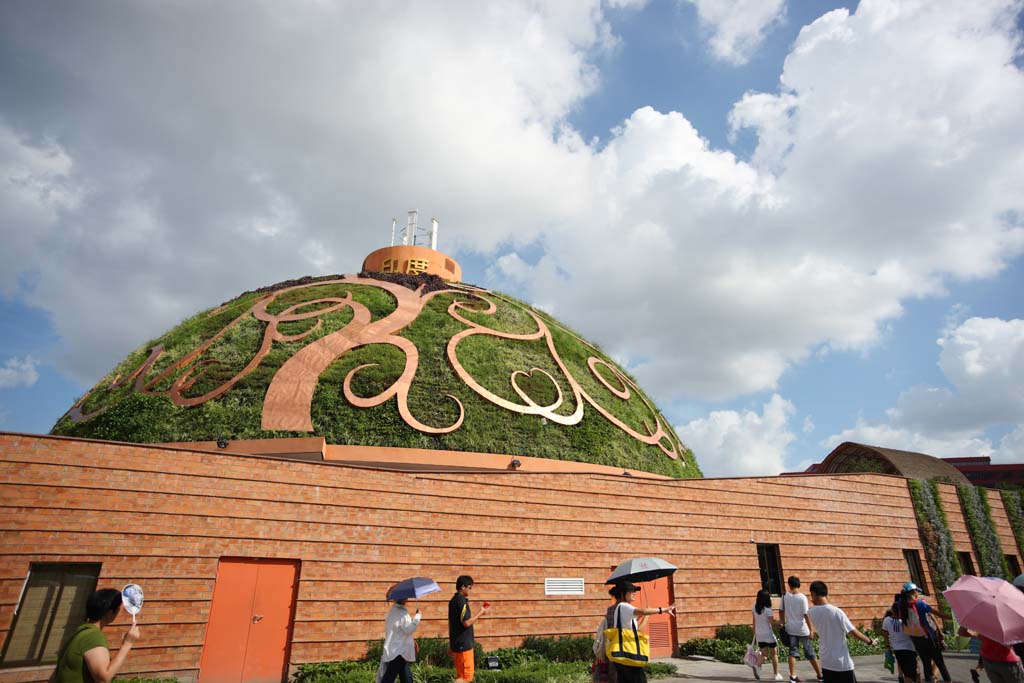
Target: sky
x=796 y=223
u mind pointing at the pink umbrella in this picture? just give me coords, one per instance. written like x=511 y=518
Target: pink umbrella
x=992 y=607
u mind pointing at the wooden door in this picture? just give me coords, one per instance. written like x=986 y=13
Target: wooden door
x=249 y=630
x=660 y=627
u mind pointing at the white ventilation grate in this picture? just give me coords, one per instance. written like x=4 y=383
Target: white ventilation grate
x=563 y=586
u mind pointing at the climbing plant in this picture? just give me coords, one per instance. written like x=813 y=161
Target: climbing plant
x=935 y=535
x=978 y=514
x=1014 y=505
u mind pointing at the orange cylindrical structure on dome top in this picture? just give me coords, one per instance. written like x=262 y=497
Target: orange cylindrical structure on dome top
x=410 y=259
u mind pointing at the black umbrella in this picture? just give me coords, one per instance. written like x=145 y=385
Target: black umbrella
x=641 y=569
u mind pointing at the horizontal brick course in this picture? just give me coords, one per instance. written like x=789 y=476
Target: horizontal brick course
x=356 y=531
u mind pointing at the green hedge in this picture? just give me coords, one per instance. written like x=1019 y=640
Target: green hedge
x=567 y=649
x=729 y=651
x=978 y=514
x=730 y=644
x=935 y=535
x=540 y=660
x=1014 y=504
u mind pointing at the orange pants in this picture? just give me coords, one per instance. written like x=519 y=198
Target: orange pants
x=463 y=665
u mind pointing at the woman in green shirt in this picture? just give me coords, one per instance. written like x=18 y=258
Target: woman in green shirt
x=86 y=657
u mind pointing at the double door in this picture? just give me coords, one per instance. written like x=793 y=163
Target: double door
x=249 y=632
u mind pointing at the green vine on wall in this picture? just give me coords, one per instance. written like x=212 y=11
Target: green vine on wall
x=978 y=514
x=1014 y=504
x=935 y=535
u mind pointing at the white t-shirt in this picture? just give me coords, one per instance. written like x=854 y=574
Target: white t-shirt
x=763 y=632
x=625 y=613
x=832 y=625
x=795 y=606
x=898 y=638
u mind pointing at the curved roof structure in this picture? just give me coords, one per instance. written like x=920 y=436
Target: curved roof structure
x=849 y=457
x=399 y=359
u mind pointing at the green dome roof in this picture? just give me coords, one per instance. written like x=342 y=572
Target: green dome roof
x=383 y=360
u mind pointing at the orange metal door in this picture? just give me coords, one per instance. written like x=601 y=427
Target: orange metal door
x=660 y=627
x=266 y=657
x=249 y=630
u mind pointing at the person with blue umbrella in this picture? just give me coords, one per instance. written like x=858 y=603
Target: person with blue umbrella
x=399 y=626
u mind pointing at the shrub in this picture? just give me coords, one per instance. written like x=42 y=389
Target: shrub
x=336 y=672
x=660 y=670
x=741 y=633
x=729 y=651
x=434 y=651
x=374 y=650
x=515 y=656
x=858 y=648
x=569 y=649
x=426 y=673
x=538 y=672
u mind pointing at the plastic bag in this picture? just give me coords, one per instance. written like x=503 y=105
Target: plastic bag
x=890 y=661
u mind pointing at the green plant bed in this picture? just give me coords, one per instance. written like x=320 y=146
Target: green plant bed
x=116 y=410
x=935 y=535
x=729 y=651
x=568 y=649
x=978 y=514
x=732 y=645
x=741 y=633
x=1014 y=504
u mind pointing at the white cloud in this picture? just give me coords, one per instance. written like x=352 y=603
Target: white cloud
x=140 y=185
x=738 y=27
x=735 y=444
x=888 y=163
x=714 y=275
x=18 y=372
x=808 y=425
x=983 y=359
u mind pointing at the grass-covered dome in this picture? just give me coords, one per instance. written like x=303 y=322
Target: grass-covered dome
x=383 y=360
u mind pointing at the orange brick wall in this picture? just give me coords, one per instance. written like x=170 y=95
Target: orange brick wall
x=163 y=518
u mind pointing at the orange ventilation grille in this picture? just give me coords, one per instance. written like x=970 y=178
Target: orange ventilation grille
x=660 y=637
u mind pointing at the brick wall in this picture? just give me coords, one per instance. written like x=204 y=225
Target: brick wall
x=163 y=518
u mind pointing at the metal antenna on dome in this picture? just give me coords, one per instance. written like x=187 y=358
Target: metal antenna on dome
x=409 y=234
x=394 y=224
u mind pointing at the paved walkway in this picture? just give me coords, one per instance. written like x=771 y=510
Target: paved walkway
x=869 y=670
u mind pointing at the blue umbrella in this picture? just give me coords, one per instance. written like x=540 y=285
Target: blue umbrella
x=415 y=587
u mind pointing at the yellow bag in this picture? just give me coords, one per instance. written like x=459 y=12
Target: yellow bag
x=626 y=646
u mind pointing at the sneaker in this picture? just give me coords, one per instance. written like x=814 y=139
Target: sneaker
x=778 y=677
x=974 y=676
x=795 y=679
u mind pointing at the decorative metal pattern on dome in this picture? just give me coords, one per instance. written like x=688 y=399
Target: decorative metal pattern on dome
x=288 y=400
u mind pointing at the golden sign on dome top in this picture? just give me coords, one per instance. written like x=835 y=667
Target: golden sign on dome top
x=412 y=256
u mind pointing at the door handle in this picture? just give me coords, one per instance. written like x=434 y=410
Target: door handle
x=256 y=618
